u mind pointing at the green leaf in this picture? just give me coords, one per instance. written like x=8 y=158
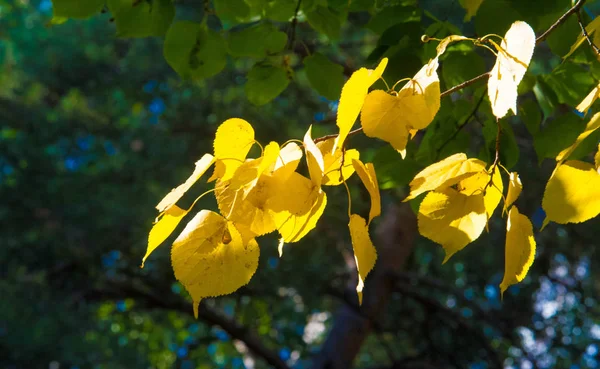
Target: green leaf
x=324 y=75
x=265 y=82
x=234 y=11
x=257 y=41
x=454 y=69
x=557 y=135
x=531 y=116
x=545 y=97
x=280 y=10
x=143 y=18
x=570 y=82
x=77 y=9
x=323 y=20
x=561 y=39
x=193 y=51
x=495 y=17
x=392 y=171
x=391 y=15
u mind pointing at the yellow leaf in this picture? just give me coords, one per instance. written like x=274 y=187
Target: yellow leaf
x=250 y=211
x=287 y=161
x=390 y=117
x=333 y=162
x=233 y=141
x=444 y=173
x=364 y=251
x=163 y=228
x=591 y=29
x=352 y=98
x=367 y=175
x=246 y=176
x=296 y=206
x=382 y=116
x=314 y=159
x=513 y=59
x=514 y=190
x=590 y=127
x=587 y=102
x=202 y=166
x=572 y=194
x=441 y=47
x=597 y=159
x=421 y=96
x=471 y=6
x=519 y=249
x=476 y=184
x=211 y=258
x=452 y=219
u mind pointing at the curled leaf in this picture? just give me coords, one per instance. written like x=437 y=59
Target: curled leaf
x=519 y=249
x=364 y=251
x=367 y=175
x=444 y=173
x=163 y=228
x=352 y=98
x=202 y=166
x=514 y=55
x=514 y=190
x=587 y=102
x=572 y=194
x=314 y=159
x=597 y=159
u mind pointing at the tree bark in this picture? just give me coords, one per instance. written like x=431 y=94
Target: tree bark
x=394 y=240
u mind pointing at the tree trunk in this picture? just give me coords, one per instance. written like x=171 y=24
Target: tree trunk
x=394 y=240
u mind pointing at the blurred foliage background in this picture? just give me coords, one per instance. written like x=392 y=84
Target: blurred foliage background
x=95 y=129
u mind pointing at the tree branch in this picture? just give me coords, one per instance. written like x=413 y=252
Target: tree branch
x=586 y=35
x=561 y=20
x=206 y=314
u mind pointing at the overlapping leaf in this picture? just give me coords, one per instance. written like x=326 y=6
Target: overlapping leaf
x=514 y=190
x=591 y=126
x=233 y=141
x=352 y=98
x=163 y=228
x=514 y=55
x=444 y=173
x=519 y=248
x=212 y=258
x=334 y=161
x=314 y=159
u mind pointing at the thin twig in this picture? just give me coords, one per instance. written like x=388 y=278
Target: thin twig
x=586 y=35
x=462 y=125
x=292 y=39
x=485 y=75
x=560 y=20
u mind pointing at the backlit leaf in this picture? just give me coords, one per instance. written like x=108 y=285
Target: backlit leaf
x=513 y=59
x=572 y=194
x=212 y=258
x=353 y=95
x=163 y=228
x=287 y=161
x=597 y=159
x=519 y=249
x=476 y=184
x=314 y=159
x=202 y=166
x=587 y=102
x=514 y=190
x=333 y=162
x=444 y=173
x=364 y=251
x=367 y=175
x=233 y=140
x=591 y=126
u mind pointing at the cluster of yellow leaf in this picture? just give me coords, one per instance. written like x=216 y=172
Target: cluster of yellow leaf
x=462 y=195
x=217 y=253
x=572 y=194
